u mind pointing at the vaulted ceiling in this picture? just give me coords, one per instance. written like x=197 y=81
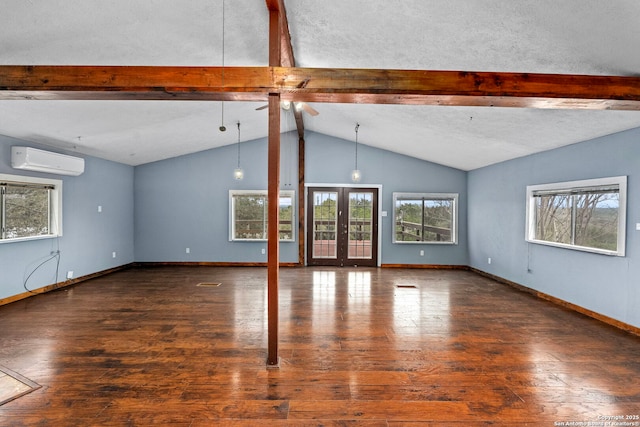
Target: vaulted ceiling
x=583 y=37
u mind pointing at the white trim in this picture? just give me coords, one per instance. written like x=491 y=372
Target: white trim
x=620 y=181
x=56 y=205
x=430 y=196
x=289 y=193
x=353 y=185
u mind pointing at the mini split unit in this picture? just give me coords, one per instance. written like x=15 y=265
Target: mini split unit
x=32 y=159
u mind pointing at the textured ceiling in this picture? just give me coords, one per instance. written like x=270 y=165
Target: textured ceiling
x=572 y=36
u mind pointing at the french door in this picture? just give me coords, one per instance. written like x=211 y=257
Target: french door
x=342 y=226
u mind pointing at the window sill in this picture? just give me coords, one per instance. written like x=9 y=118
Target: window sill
x=401 y=242
x=578 y=248
x=28 y=239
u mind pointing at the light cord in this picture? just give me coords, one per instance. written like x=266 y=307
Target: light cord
x=238 y=144
x=357 y=128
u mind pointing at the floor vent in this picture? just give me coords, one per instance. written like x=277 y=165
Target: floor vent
x=407 y=286
x=209 y=284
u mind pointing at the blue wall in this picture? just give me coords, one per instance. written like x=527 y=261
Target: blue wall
x=330 y=161
x=183 y=202
x=604 y=284
x=164 y=207
x=89 y=237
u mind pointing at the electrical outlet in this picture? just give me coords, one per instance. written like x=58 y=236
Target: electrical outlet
x=69 y=274
x=263 y=251
x=421 y=253
x=488 y=260
x=99 y=208
x=187 y=250
x=113 y=254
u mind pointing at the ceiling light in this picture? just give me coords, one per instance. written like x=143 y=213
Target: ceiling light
x=238 y=173
x=355 y=174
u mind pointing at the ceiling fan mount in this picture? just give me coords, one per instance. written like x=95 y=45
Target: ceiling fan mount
x=298 y=106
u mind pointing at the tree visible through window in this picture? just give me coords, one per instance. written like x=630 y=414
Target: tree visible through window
x=585 y=214
x=28 y=208
x=249 y=219
x=425 y=218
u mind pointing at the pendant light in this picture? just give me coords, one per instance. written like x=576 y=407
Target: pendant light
x=355 y=174
x=238 y=173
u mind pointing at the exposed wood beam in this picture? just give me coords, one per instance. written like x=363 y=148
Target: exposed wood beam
x=137 y=82
x=286 y=49
x=451 y=88
x=287 y=58
x=275 y=36
x=458 y=88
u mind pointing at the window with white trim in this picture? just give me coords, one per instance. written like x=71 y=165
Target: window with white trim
x=425 y=218
x=30 y=208
x=588 y=215
x=248 y=213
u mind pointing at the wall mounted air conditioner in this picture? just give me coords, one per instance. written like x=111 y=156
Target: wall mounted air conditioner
x=32 y=159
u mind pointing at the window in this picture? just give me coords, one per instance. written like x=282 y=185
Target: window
x=249 y=215
x=585 y=215
x=30 y=208
x=425 y=218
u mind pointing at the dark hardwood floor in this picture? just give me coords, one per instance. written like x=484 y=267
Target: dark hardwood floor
x=358 y=346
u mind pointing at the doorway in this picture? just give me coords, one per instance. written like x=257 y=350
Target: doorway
x=342 y=226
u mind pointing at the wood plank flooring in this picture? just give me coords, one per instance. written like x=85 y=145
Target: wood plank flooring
x=358 y=346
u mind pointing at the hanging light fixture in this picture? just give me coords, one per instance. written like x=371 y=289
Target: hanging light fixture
x=222 y=127
x=355 y=174
x=238 y=173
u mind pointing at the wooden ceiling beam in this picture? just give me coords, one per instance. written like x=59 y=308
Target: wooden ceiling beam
x=286 y=50
x=135 y=82
x=459 y=88
x=372 y=86
x=287 y=58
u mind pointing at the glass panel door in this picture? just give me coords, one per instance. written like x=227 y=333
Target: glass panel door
x=360 y=225
x=325 y=225
x=342 y=226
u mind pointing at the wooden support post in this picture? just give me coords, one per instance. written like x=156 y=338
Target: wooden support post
x=273 y=234
x=273 y=243
x=301 y=209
